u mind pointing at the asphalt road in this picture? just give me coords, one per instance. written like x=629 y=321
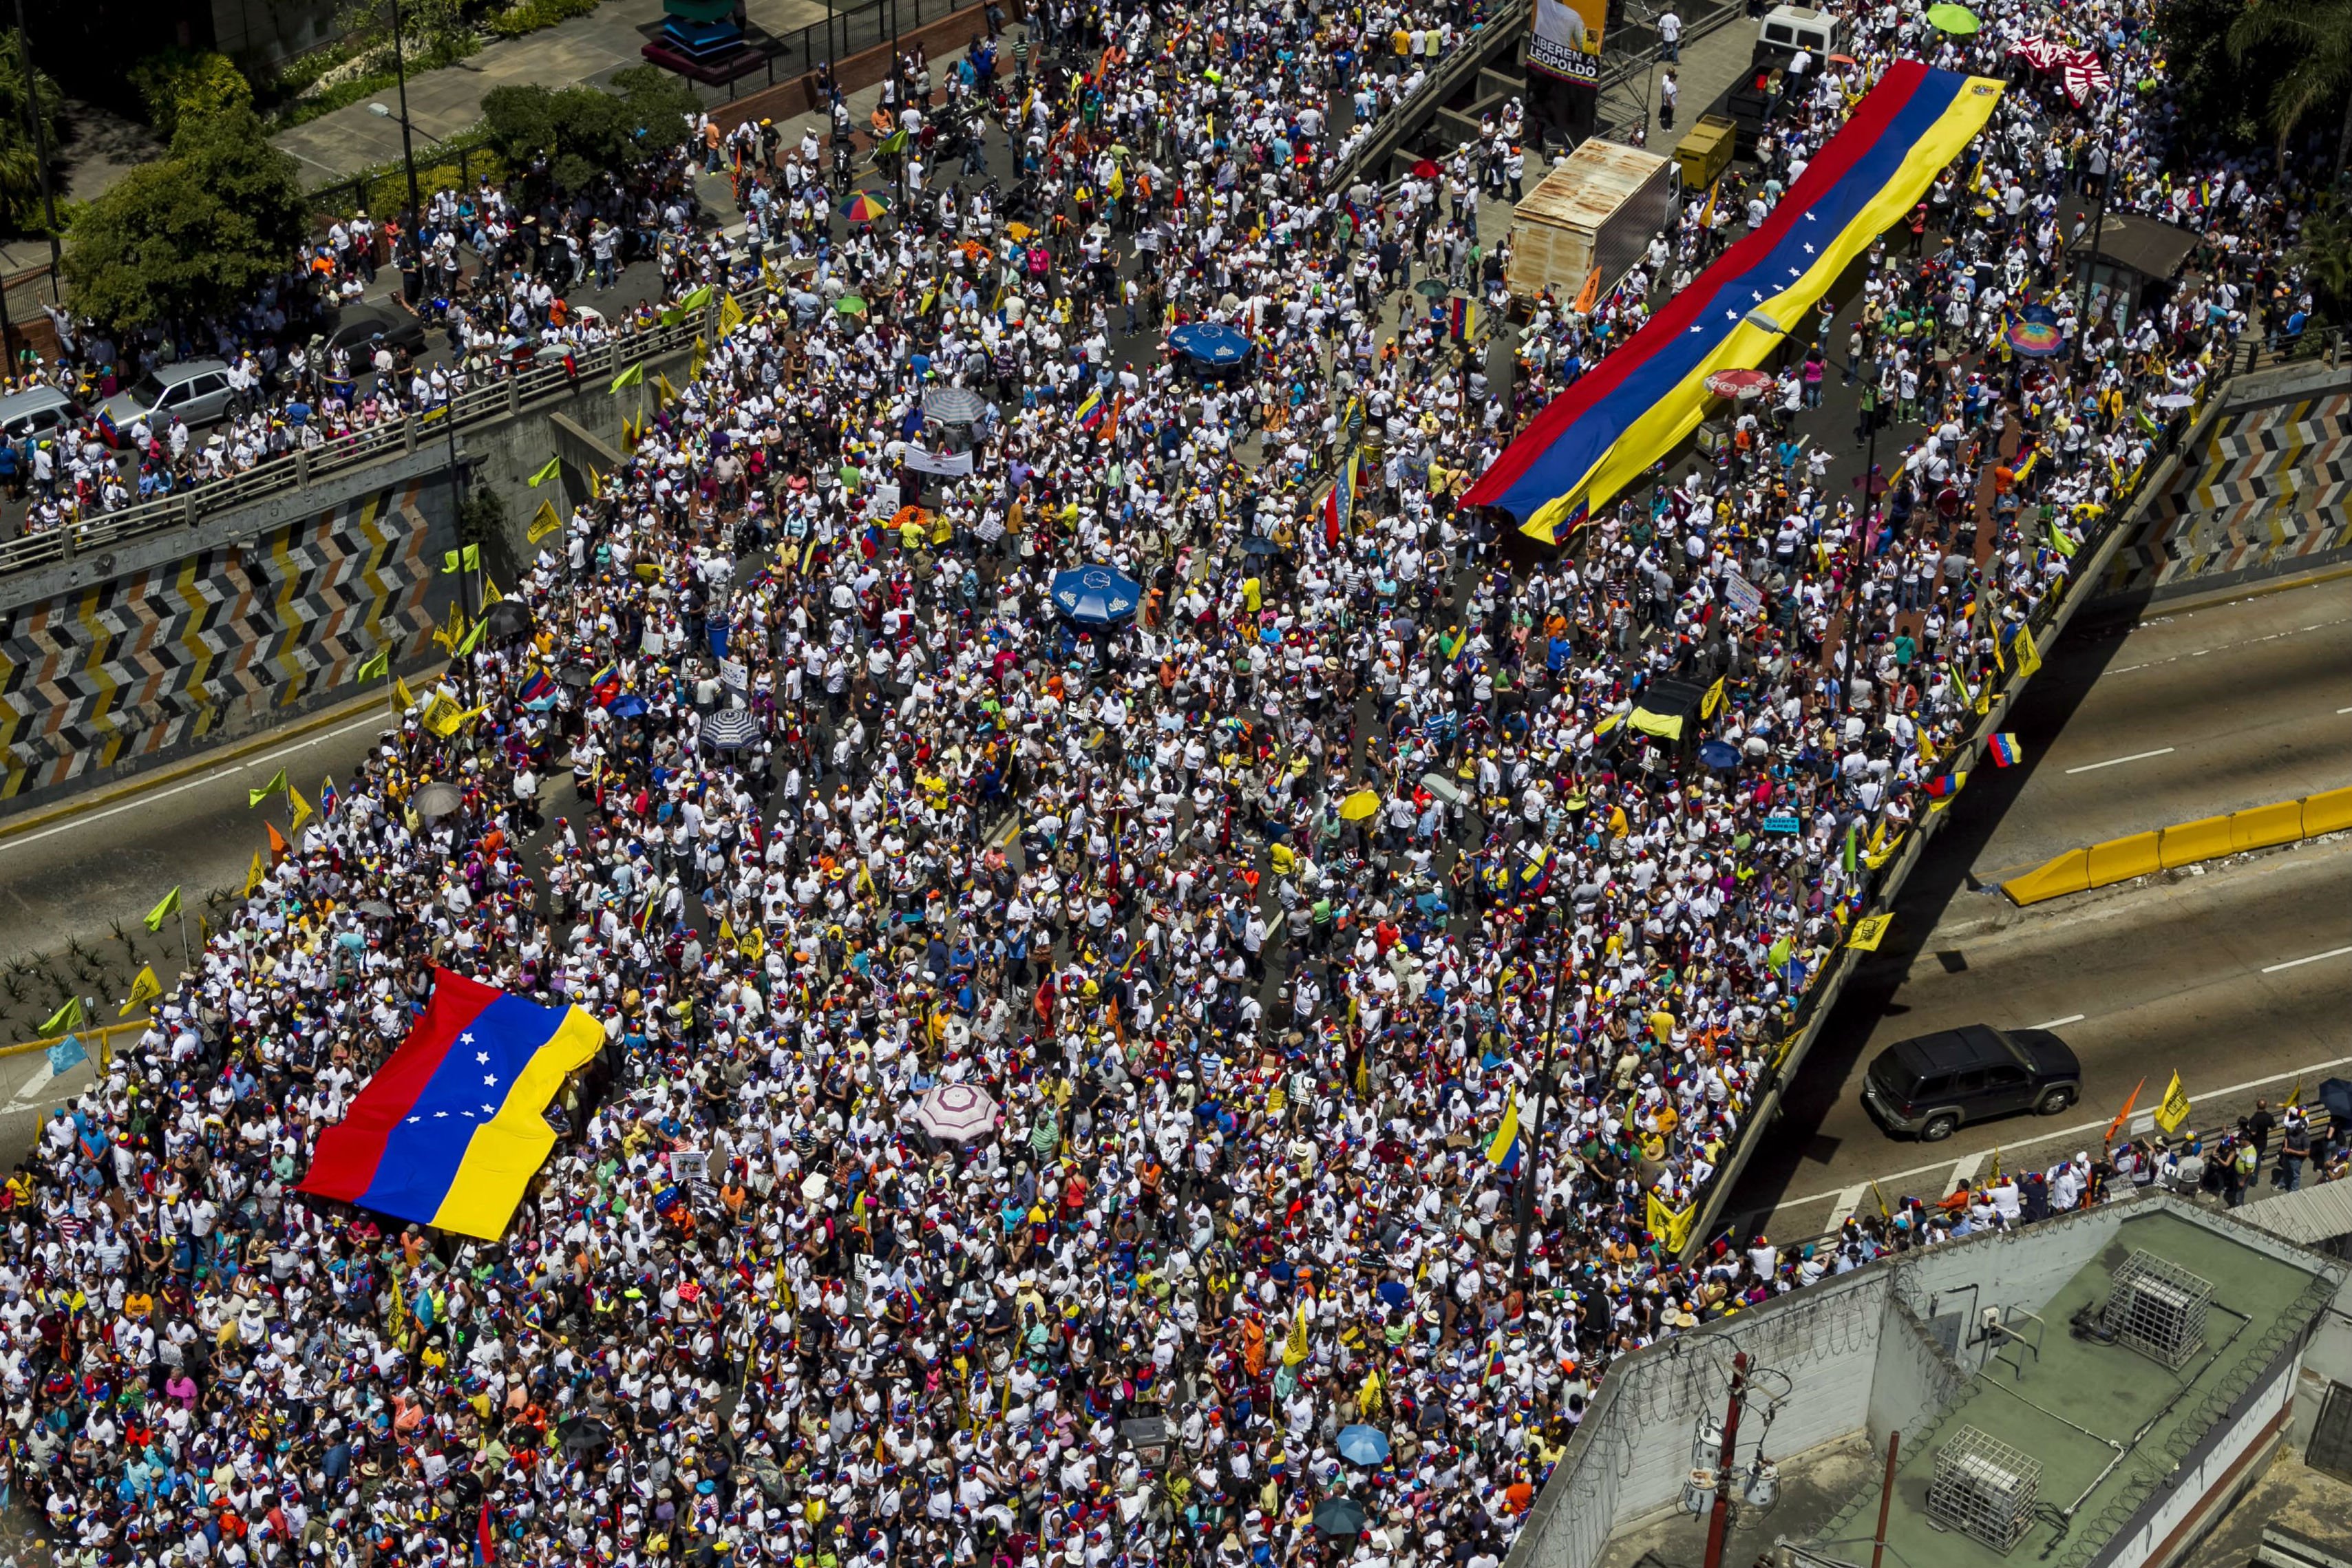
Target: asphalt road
x=2237 y=977
x=2177 y=717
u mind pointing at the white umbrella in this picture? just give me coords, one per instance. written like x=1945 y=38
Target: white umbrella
x=812 y=1185
x=956 y=1111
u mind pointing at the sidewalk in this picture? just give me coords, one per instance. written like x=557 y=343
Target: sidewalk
x=447 y=103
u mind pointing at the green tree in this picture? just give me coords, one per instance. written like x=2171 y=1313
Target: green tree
x=583 y=131
x=2310 y=41
x=2326 y=255
x=192 y=234
x=20 y=165
x=204 y=82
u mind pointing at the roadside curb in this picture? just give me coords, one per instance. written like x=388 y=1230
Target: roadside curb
x=224 y=756
x=2190 y=602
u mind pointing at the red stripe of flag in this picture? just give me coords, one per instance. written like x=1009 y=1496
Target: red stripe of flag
x=349 y=1153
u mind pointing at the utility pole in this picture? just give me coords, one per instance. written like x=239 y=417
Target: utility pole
x=40 y=139
x=1719 y=1523
x=407 y=148
x=1532 y=1153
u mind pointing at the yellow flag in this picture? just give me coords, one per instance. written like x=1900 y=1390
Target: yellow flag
x=65 y=1017
x=543 y=521
x=2028 y=658
x=1712 y=701
x=254 y=874
x=662 y=390
x=754 y=945
x=1294 y=1349
x=595 y=485
x=166 y=908
x=302 y=813
x=442 y=715
x=726 y=932
x=1869 y=931
x=731 y=315
x=2175 y=1109
x=144 y=989
x=452 y=631
x=376 y=664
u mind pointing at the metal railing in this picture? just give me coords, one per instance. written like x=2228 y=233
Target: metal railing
x=485 y=404
x=846 y=33
x=2048 y=622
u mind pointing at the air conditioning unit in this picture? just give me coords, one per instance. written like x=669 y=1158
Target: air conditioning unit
x=2159 y=1310
x=1984 y=1488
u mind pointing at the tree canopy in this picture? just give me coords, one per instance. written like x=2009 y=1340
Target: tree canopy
x=192 y=234
x=583 y=131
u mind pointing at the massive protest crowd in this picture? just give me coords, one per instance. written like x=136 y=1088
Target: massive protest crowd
x=1254 y=913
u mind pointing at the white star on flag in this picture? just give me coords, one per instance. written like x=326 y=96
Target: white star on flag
x=482 y=1057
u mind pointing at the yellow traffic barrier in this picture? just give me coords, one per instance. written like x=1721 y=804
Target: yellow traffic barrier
x=2184 y=844
x=2121 y=859
x=2327 y=812
x=2207 y=839
x=2070 y=873
x=2260 y=826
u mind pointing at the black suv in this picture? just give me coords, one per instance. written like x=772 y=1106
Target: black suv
x=1931 y=1084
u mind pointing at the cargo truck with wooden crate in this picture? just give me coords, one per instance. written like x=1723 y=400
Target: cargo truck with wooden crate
x=1597 y=207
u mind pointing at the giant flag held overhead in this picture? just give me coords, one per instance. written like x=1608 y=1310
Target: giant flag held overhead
x=1601 y=435
x=450 y=1130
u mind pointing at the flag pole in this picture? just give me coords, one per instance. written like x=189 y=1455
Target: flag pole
x=186 y=961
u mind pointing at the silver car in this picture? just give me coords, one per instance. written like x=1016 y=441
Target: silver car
x=41 y=411
x=197 y=390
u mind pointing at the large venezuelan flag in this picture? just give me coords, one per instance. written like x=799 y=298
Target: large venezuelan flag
x=1597 y=437
x=450 y=1130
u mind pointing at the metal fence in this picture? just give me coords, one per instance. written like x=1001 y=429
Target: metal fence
x=846 y=33
x=487 y=403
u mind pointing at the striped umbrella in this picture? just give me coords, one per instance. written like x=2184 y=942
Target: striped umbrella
x=864 y=208
x=728 y=729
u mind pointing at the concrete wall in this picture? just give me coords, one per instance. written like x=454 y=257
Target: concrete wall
x=2267 y=494
x=1633 y=1451
x=115 y=662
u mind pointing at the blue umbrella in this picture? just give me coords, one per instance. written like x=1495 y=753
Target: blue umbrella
x=1210 y=342
x=628 y=705
x=728 y=729
x=1393 y=1293
x=1720 y=755
x=1097 y=595
x=1363 y=1445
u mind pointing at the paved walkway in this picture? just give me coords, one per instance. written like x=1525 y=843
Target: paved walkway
x=447 y=102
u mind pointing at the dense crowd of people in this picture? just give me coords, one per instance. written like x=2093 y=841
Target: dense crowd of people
x=1257 y=912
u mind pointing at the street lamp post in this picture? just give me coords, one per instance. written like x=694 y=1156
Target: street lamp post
x=407 y=149
x=40 y=136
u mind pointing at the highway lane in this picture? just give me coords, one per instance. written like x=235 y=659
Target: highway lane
x=2239 y=979
x=2176 y=717
x=2128 y=727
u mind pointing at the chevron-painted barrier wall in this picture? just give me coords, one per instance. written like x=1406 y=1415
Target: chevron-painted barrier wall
x=2270 y=493
x=235 y=635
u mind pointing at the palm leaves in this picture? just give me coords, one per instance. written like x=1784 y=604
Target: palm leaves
x=2315 y=37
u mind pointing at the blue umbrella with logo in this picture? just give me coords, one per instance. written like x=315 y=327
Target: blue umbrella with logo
x=1363 y=1445
x=1096 y=596
x=1211 y=344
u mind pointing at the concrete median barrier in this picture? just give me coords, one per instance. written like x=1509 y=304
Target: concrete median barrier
x=2330 y=811
x=2070 y=873
x=2260 y=826
x=2183 y=843
x=2207 y=839
x=2121 y=859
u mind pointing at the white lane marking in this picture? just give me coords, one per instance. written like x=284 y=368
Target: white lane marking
x=1847 y=1202
x=2069 y=1019
x=1966 y=1171
x=2299 y=963
x=30 y=1093
x=2074 y=1132
x=2200 y=653
x=85 y=818
x=2343 y=709
x=2114 y=762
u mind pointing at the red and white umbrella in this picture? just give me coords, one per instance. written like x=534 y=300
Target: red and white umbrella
x=954 y=1112
x=1741 y=386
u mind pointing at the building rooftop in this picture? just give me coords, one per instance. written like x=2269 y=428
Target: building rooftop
x=2107 y=1424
